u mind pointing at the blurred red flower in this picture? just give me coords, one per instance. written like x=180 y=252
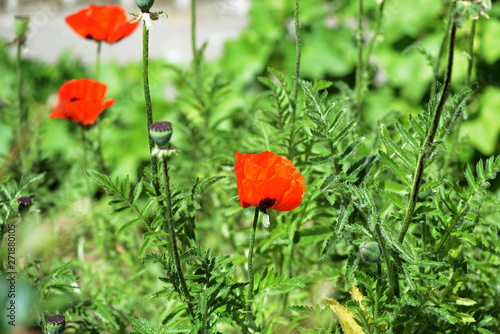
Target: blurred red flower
x=268 y=181
x=102 y=23
x=81 y=100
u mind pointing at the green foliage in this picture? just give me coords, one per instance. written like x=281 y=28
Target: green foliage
x=171 y=259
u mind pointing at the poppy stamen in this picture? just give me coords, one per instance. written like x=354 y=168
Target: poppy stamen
x=266 y=203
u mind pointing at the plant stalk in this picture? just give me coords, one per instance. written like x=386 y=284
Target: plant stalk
x=149 y=109
x=471 y=51
x=371 y=44
x=98 y=61
x=193 y=29
x=297 y=59
x=426 y=146
x=250 y=270
x=174 y=252
x=441 y=51
x=360 y=67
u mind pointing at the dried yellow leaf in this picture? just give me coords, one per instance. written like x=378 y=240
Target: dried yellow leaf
x=357 y=296
x=349 y=325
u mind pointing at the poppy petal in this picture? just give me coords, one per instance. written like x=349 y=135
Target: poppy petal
x=268 y=181
x=101 y=23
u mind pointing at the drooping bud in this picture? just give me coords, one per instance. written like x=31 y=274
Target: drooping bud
x=21 y=26
x=161 y=132
x=144 y=5
x=55 y=323
x=24 y=205
x=370 y=251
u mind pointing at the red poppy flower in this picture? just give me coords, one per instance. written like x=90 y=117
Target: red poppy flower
x=102 y=23
x=81 y=100
x=268 y=181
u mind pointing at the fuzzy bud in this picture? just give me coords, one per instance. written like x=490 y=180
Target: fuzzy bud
x=21 y=26
x=55 y=324
x=24 y=205
x=144 y=5
x=370 y=251
x=160 y=133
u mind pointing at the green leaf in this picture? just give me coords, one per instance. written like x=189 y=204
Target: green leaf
x=128 y=225
x=470 y=177
x=103 y=311
x=144 y=247
x=99 y=178
x=402 y=176
x=345 y=131
x=407 y=137
x=138 y=191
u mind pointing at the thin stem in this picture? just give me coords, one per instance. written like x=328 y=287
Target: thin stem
x=250 y=270
x=22 y=115
x=174 y=252
x=22 y=111
x=85 y=145
x=149 y=109
x=390 y=270
x=193 y=29
x=441 y=51
x=419 y=171
x=371 y=44
x=98 y=60
x=297 y=59
x=471 y=51
x=360 y=67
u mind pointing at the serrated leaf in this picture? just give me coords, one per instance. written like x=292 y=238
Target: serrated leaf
x=145 y=246
x=128 y=225
x=138 y=191
x=99 y=178
x=470 y=177
x=407 y=137
x=322 y=159
x=345 y=131
x=104 y=312
x=349 y=324
x=395 y=168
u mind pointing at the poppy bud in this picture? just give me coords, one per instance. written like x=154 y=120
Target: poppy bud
x=144 y=5
x=161 y=132
x=24 y=205
x=55 y=324
x=370 y=251
x=21 y=26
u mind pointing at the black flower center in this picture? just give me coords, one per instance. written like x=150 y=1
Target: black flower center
x=266 y=203
x=74 y=99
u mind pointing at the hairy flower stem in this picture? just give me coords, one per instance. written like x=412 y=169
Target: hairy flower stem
x=98 y=61
x=193 y=30
x=23 y=117
x=174 y=252
x=371 y=44
x=441 y=51
x=149 y=109
x=471 y=51
x=297 y=60
x=22 y=114
x=250 y=271
x=426 y=146
x=391 y=277
x=360 y=67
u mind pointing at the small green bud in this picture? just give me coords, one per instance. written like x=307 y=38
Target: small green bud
x=24 y=205
x=55 y=324
x=21 y=26
x=161 y=132
x=370 y=251
x=144 y=5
